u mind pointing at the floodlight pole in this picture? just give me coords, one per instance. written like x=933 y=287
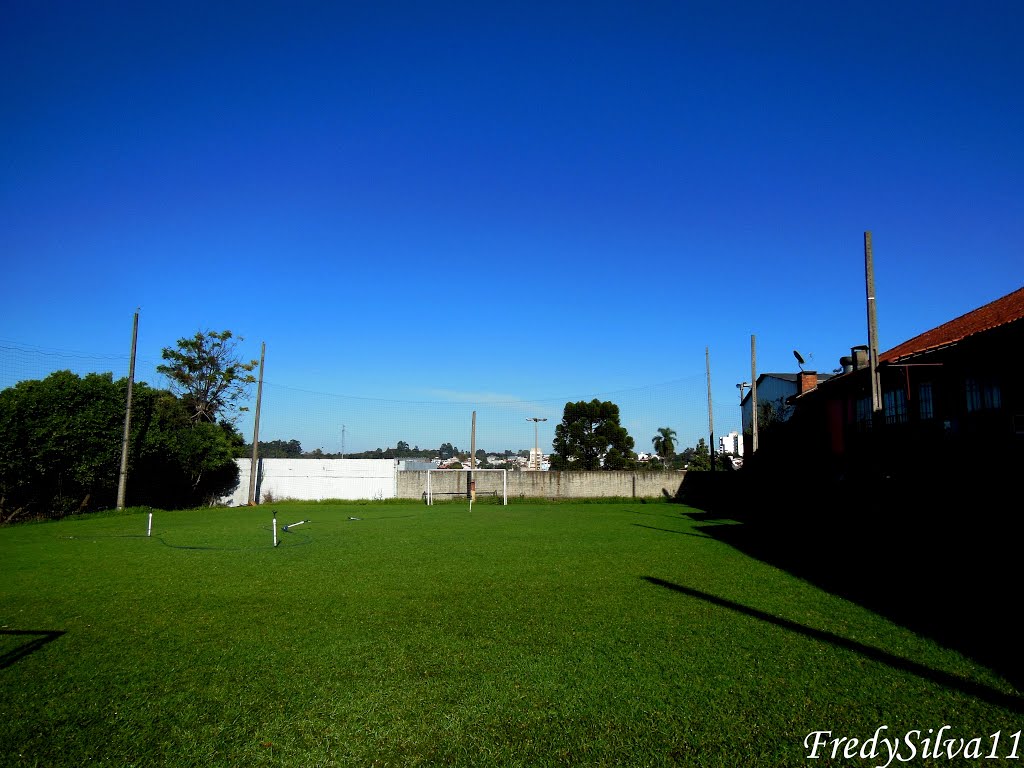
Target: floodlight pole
x=741 y=387
x=536 y=439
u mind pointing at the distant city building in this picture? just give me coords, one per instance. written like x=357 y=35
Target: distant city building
x=731 y=444
x=538 y=461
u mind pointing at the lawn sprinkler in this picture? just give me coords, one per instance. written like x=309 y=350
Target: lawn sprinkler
x=292 y=525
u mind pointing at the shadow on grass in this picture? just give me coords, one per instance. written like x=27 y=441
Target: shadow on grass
x=35 y=639
x=978 y=690
x=941 y=559
x=670 y=530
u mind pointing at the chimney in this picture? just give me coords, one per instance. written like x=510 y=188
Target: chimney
x=806 y=381
x=860 y=357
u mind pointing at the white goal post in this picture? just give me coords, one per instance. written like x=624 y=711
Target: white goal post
x=488 y=486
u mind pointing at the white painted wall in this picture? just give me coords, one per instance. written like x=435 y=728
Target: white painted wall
x=317 y=479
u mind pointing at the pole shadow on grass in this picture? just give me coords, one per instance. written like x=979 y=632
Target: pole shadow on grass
x=941 y=566
x=953 y=682
x=35 y=639
x=671 y=530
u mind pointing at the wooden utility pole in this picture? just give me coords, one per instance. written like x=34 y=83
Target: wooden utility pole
x=711 y=416
x=753 y=393
x=471 y=484
x=122 y=479
x=869 y=279
x=254 y=465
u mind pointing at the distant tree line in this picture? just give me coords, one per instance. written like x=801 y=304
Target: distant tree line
x=590 y=437
x=292 y=449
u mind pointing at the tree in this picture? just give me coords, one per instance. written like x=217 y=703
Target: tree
x=277 y=449
x=209 y=376
x=664 y=442
x=176 y=462
x=590 y=437
x=700 y=461
x=60 y=447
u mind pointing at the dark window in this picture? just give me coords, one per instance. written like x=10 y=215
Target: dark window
x=863 y=415
x=925 y=406
x=895 y=404
x=982 y=395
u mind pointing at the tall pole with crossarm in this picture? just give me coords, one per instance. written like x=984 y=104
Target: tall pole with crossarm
x=536 y=439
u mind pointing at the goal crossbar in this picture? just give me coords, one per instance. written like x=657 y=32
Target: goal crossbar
x=468 y=472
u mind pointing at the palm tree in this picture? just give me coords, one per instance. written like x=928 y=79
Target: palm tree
x=664 y=442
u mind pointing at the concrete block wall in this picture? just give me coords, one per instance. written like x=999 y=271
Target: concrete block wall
x=546 y=485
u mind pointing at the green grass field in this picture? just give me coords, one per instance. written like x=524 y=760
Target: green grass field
x=614 y=634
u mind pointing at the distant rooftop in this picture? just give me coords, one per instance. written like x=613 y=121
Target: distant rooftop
x=793 y=376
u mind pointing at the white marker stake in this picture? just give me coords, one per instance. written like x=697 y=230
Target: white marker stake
x=149 y=529
x=275 y=529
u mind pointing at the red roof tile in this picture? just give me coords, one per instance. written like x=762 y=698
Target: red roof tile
x=992 y=315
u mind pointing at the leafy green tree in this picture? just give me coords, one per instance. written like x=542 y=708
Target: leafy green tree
x=700 y=460
x=590 y=437
x=60 y=447
x=60 y=442
x=176 y=462
x=664 y=443
x=208 y=374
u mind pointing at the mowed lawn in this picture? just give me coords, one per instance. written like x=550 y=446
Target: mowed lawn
x=614 y=634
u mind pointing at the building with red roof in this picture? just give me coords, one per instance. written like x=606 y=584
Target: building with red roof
x=950 y=395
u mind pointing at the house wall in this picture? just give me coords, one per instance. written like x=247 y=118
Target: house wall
x=770 y=389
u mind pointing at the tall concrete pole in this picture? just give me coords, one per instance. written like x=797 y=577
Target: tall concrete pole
x=753 y=393
x=869 y=279
x=254 y=465
x=711 y=416
x=471 y=485
x=122 y=479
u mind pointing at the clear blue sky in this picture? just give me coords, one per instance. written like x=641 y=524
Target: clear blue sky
x=460 y=202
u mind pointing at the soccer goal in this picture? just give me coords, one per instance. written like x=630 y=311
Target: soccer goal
x=448 y=484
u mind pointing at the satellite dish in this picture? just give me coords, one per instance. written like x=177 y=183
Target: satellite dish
x=799 y=359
